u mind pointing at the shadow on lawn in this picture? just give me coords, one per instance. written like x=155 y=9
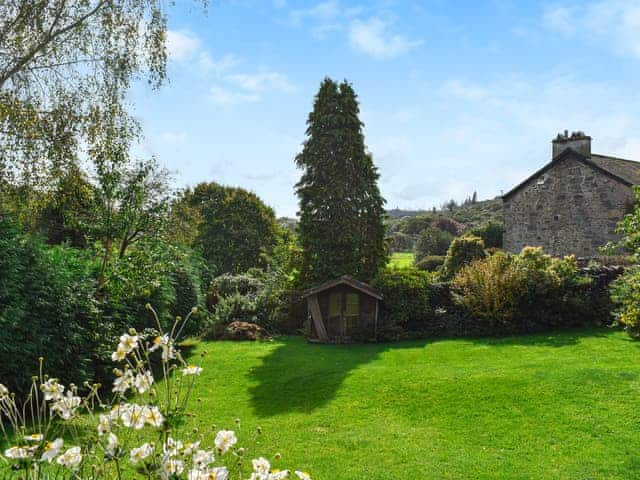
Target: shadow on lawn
x=298 y=376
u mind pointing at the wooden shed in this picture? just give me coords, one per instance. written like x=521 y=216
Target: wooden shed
x=343 y=310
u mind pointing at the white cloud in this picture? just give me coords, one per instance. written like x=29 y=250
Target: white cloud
x=181 y=45
x=261 y=82
x=615 y=23
x=464 y=91
x=327 y=10
x=372 y=37
x=209 y=64
x=225 y=96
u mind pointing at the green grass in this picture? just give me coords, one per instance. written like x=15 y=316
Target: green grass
x=543 y=406
x=401 y=259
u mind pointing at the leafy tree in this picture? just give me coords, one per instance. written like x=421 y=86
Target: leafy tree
x=432 y=241
x=490 y=232
x=462 y=252
x=341 y=210
x=231 y=226
x=415 y=225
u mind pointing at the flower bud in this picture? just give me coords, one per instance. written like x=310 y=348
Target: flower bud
x=277 y=456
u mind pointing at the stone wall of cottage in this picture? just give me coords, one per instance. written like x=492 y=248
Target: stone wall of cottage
x=569 y=209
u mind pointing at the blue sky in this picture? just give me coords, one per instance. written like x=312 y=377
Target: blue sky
x=455 y=96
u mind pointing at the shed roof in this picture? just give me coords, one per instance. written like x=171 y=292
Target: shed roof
x=624 y=171
x=344 y=280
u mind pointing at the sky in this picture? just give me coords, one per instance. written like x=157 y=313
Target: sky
x=456 y=97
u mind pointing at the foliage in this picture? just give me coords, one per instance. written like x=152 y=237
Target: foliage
x=406 y=299
x=490 y=233
x=462 y=252
x=432 y=241
x=65 y=71
x=415 y=225
x=625 y=291
x=430 y=263
x=449 y=225
x=399 y=242
x=507 y=293
x=46 y=307
x=134 y=433
x=341 y=228
x=233 y=227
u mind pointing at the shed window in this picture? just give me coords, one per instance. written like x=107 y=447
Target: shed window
x=353 y=304
x=335 y=304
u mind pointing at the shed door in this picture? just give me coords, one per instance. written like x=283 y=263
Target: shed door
x=344 y=313
x=351 y=313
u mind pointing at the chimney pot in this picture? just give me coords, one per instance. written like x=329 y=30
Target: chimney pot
x=578 y=142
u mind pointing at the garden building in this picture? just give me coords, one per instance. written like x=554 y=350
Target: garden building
x=573 y=204
x=343 y=310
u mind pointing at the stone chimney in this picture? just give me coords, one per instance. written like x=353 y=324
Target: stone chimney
x=577 y=141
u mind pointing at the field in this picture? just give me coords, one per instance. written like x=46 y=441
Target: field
x=401 y=259
x=563 y=405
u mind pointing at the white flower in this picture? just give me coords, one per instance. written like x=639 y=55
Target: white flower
x=52 y=389
x=203 y=458
x=140 y=453
x=191 y=370
x=166 y=344
x=261 y=466
x=66 y=406
x=128 y=342
x=19 y=453
x=71 y=458
x=51 y=449
x=302 y=475
x=278 y=475
x=152 y=416
x=112 y=444
x=104 y=424
x=132 y=416
x=172 y=447
x=4 y=391
x=34 y=437
x=171 y=466
x=225 y=439
x=217 y=473
x=123 y=383
x=143 y=381
x=190 y=448
x=119 y=355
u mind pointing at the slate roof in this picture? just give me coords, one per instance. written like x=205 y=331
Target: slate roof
x=624 y=171
x=347 y=280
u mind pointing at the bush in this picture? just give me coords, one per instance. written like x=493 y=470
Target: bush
x=430 y=263
x=46 y=308
x=522 y=293
x=625 y=292
x=432 y=241
x=400 y=242
x=449 y=225
x=462 y=252
x=406 y=300
x=232 y=308
x=490 y=232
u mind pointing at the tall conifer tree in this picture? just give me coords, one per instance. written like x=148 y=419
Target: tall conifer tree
x=341 y=209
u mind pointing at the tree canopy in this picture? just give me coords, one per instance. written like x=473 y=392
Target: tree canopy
x=341 y=209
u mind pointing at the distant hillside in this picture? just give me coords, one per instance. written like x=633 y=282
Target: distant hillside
x=471 y=214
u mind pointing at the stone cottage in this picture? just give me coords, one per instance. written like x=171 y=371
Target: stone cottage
x=573 y=204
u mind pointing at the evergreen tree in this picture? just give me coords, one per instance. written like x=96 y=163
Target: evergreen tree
x=341 y=209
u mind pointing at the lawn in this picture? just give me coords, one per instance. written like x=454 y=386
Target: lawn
x=545 y=406
x=401 y=259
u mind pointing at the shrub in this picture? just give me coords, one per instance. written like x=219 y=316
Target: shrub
x=406 y=300
x=400 y=242
x=46 y=308
x=507 y=293
x=490 y=233
x=232 y=308
x=430 y=263
x=462 y=252
x=449 y=225
x=625 y=292
x=432 y=241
